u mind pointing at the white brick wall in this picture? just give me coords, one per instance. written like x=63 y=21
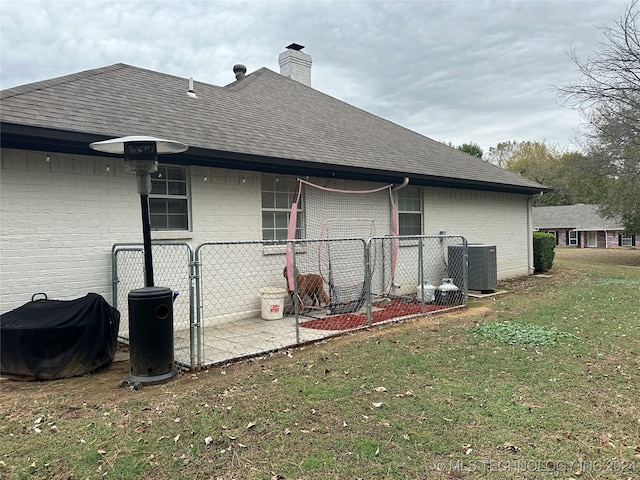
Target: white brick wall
x=499 y=219
x=60 y=218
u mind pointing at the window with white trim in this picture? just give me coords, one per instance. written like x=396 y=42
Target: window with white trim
x=169 y=198
x=573 y=237
x=409 y=211
x=626 y=241
x=278 y=194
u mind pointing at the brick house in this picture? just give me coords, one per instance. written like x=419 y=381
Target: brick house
x=581 y=226
x=64 y=205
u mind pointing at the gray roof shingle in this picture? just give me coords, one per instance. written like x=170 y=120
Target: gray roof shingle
x=577 y=217
x=263 y=115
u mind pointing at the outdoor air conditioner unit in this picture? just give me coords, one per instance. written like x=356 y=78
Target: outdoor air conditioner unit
x=482 y=266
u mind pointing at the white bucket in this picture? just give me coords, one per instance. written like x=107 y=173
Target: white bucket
x=272 y=302
x=426 y=293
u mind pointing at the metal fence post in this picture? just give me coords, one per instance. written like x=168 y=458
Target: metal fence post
x=198 y=305
x=367 y=280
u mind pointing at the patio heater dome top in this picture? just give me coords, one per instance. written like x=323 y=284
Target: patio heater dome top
x=116 y=145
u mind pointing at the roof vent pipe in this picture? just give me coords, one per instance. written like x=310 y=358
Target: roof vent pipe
x=239 y=71
x=190 y=92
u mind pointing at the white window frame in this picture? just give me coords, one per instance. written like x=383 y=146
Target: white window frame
x=278 y=192
x=573 y=238
x=409 y=202
x=626 y=240
x=172 y=188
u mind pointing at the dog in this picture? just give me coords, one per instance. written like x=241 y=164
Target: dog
x=309 y=285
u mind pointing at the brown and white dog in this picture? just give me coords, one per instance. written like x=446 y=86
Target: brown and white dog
x=309 y=285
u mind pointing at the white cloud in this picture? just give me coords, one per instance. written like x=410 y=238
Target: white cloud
x=456 y=71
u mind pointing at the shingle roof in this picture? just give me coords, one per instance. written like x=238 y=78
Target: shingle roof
x=263 y=115
x=577 y=217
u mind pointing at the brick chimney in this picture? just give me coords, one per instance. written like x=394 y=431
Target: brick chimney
x=296 y=64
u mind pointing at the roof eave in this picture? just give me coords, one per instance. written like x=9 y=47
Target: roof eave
x=64 y=141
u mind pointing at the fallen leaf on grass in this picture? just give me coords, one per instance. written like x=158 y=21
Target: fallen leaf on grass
x=377 y=404
x=176 y=438
x=207 y=441
x=380 y=389
x=508 y=447
x=250 y=425
x=408 y=393
x=467 y=448
x=102 y=452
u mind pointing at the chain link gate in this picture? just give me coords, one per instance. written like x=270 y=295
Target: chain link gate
x=173 y=266
x=235 y=300
x=428 y=275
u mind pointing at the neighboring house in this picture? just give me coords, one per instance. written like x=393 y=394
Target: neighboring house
x=581 y=226
x=64 y=205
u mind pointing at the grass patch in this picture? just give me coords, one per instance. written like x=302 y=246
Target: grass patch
x=424 y=399
x=520 y=333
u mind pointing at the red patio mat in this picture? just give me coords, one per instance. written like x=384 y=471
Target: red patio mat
x=387 y=311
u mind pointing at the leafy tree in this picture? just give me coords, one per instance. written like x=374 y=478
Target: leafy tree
x=500 y=154
x=608 y=96
x=539 y=162
x=472 y=149
x=584 y=178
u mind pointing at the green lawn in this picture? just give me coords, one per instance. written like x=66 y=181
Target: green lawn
x=541 y=382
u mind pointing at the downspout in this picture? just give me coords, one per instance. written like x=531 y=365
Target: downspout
x=404 y=183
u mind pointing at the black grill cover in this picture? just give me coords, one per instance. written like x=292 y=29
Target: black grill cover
x=47 y=339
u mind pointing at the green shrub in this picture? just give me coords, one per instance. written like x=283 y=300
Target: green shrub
x=543 y=251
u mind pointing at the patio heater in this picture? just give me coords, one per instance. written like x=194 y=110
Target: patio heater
x=150 y=308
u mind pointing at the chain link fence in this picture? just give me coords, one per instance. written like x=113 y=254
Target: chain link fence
x=173 y=267
x=235 y=299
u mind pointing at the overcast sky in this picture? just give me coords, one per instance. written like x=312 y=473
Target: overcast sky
x=455 y=71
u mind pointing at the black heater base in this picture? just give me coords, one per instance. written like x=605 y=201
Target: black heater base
x=151 y=380
x=151 y=336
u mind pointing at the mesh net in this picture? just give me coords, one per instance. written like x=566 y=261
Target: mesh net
x=328 y=214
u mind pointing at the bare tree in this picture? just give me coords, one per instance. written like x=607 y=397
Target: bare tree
x=609 y=86
x=608 y=96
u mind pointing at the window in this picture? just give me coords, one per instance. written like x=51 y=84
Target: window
x=278 y=194
x=169 y=200
x=573 y=237
x=409 y=211
x=592 y=239
x=554 y=233
x=626 y=240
